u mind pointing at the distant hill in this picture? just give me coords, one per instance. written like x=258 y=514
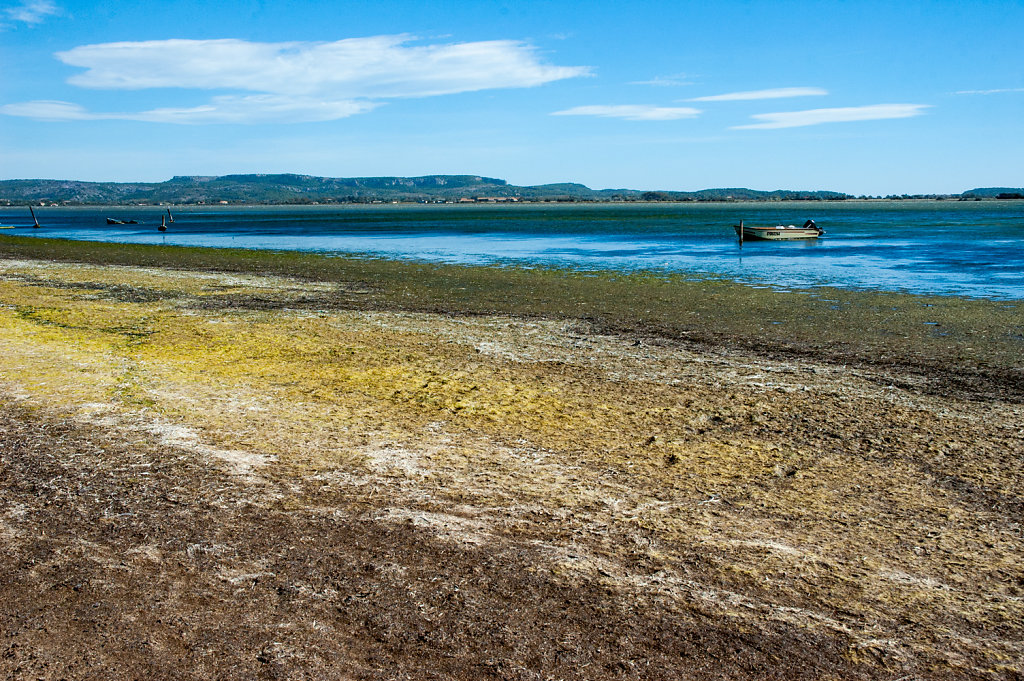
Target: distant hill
x=298 y=189
x=993 y=193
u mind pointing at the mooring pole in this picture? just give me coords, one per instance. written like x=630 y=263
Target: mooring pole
x=741 y=231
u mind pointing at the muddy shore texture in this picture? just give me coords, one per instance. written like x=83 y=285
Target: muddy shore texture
x=212 y=474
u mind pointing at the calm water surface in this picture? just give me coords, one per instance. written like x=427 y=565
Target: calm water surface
x=971 y=249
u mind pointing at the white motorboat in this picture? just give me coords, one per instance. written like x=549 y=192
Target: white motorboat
x=779 y=233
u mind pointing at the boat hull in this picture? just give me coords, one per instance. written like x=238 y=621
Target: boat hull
x=777 y=233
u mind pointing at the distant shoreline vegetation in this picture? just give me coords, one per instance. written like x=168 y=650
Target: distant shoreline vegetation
x=289 y=189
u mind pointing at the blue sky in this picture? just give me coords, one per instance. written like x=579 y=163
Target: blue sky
x=862 y=97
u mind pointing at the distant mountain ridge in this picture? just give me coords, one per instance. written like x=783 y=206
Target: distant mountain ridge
x=289 y=188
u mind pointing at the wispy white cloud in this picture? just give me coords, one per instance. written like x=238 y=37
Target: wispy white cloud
x=260 y=109
x=632 y=112
x=378 y=66
x=674 y=80
x=990 y=92
x=47 y=110
x=223 y=109
x=796 y=119
x=775 y=93
x=30 y=12
x=296 y=81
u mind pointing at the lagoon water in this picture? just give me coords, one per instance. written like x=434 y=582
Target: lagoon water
x=973 y=249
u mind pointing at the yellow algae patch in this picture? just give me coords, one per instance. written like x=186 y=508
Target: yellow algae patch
x=68 y=353
x=166 y=281
x=410 y=379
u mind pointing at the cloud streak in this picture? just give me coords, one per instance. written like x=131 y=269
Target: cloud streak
x=990 y=92
x=676 y=80
x=632 y=112
x=798 y=119
x=224 y=109
x=775 y=93
x=31 y=12
x=295 y=81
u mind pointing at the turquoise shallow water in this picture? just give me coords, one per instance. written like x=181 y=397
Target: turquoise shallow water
x=973 y=249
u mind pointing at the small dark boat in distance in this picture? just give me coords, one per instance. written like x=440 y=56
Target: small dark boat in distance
x=810 y=230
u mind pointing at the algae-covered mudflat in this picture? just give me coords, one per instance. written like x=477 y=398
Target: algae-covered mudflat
x=230 y=464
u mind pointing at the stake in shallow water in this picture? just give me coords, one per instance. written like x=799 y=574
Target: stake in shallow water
x=35 y=221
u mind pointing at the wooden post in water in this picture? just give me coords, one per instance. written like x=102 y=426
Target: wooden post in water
x=35 y=220
x=741 y=231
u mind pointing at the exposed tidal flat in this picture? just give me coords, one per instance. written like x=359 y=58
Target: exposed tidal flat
x=225 y=463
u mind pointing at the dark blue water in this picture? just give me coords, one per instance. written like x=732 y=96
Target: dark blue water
x=973 y=249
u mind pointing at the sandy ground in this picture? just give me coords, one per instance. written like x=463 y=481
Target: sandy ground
x=214 y=476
